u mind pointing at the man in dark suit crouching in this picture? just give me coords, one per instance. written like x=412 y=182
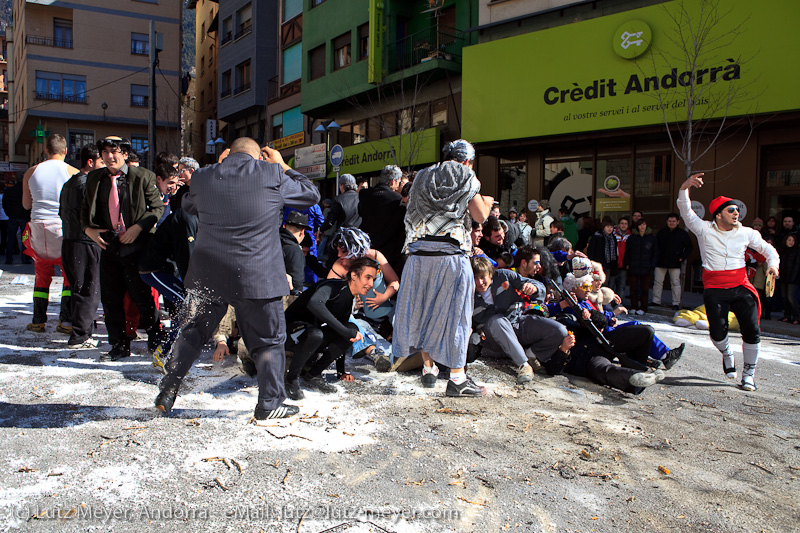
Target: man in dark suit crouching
x=237 y=260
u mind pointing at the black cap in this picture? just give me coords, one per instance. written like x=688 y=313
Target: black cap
x=296 y=218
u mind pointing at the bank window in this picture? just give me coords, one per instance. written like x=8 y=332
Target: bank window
x=139 y=145
x=653 y=184
x=242 y=77
x=404 y=121
x=140 y=44
x=316 y=60
x=277 y=126
x=439 y=112
x=422 y=116
x=140 y=95
x=62 y=33
x=781 y=164
x=341 y=51
x=227 y=31
x=244 y=21
x=226 y=84
x=568 y=184
x=292 y=8
x=613 y=183
x=363 y=42
x=292 y=63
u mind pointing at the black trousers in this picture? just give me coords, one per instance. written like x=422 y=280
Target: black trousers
x=314 y=340
x=743 y=304
x=3 y=235
x=263 y=328
x=80 y=262
x=634 y=341
x=117 y=276
x=586 y=363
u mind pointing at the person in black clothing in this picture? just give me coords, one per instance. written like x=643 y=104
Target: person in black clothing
x=382 y=214
x=493 y=241
x=344 y=209
x=292 y=234
x=641 y=257
x=18 y=218
x=80 y=255
x=674 y=247
x=318 y=321
x=602 y=248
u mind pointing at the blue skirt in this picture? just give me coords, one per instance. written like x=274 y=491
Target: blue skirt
x=434 y=308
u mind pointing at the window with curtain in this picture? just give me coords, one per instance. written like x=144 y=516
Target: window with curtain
x=341 y=51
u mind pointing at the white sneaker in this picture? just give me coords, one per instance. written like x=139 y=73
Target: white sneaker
x=85 y=345
x=643 y=379
x=748 y=383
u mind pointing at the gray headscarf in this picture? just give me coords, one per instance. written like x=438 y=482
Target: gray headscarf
x=459 y=150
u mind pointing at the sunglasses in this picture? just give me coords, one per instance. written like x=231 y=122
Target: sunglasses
x=733 y=209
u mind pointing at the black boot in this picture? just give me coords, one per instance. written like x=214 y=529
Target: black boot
x=166 y=397
x=118 y=351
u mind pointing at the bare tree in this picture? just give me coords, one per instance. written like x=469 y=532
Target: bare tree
x=697 y=52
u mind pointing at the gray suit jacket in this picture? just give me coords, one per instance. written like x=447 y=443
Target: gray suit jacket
x=506 y=300
x=240 y=206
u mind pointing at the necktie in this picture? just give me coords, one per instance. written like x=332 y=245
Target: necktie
x=113 y=206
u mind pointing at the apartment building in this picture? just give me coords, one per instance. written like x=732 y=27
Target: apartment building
x=204 y=98
x=82 y=70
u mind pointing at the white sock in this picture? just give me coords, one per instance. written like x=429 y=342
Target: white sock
x=433 y=369
x=750 y=358
x=458 y=377
x=725 y=349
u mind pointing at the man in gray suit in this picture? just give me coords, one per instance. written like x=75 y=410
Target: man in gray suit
x=237 y=260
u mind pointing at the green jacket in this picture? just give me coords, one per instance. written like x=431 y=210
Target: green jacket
x=145 y=199
x=570 y=230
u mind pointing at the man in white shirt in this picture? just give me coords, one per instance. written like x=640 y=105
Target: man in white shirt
x=723 y=243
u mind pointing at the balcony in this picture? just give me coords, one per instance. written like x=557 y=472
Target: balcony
x=226 y=38
x=58 y=97
x=241 y=88
x=244 y=28
x=47 y=41
x=442 y=43
x=225 y=93
x=275 y=91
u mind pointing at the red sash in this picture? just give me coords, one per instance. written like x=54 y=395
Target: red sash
x=728 y=279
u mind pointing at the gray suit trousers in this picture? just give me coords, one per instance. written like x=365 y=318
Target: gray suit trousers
x=263 y=330
x=542 y=335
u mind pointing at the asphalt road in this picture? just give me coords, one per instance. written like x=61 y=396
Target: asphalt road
x=82 y=448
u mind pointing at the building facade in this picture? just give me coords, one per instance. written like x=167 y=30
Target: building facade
x=587 y=105
x=389 y=74
x=82 y=70
x=202 y=99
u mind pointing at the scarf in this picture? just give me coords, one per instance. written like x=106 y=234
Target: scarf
x=610 y=245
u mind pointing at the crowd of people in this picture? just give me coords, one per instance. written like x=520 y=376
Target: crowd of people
x=419 y=272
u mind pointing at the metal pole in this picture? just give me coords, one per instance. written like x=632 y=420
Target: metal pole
x=151 y=123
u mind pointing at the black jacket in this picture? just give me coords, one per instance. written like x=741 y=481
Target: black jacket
x=70 y=208
x=641 y=254
x=382 y=213
x=343 y=212
x=293 y=259
x=329 y=302
x=173 y=241
x=596 y=251
x=12 y=203
x=790 y=264
x=674 y=247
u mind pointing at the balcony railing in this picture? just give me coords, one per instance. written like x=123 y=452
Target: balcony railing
x=225 y=93
x=241 y=88
x=226 y=38
x=433 y=43
x=140 y=48
x=139 y=101
x=58 y=97
x=244 y=28
x=47 y=41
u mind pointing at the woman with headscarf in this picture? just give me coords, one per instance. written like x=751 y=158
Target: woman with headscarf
x=434 y=306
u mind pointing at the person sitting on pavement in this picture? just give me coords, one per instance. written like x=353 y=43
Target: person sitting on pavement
x=319 y=321
x=498 y=313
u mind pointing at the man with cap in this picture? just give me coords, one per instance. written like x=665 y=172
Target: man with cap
x=120 y=209
x=723 y=243
x=541 y=228
x=344 y=209
x=291 y=235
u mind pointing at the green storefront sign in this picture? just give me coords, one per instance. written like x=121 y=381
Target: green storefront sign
x=609 y=72
x=415 y=148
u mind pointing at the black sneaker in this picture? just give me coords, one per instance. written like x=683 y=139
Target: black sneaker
x=429 y=380
x=117 y=352
x=319 y=383
x=293 y=390
x=468 y=388
x=284 y=411
x=672 y=356
x=166 y=398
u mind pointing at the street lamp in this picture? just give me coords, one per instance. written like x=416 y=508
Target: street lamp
x=104 y=106
x=327 y=127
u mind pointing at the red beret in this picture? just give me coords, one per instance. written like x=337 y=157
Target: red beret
x=718 y=204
